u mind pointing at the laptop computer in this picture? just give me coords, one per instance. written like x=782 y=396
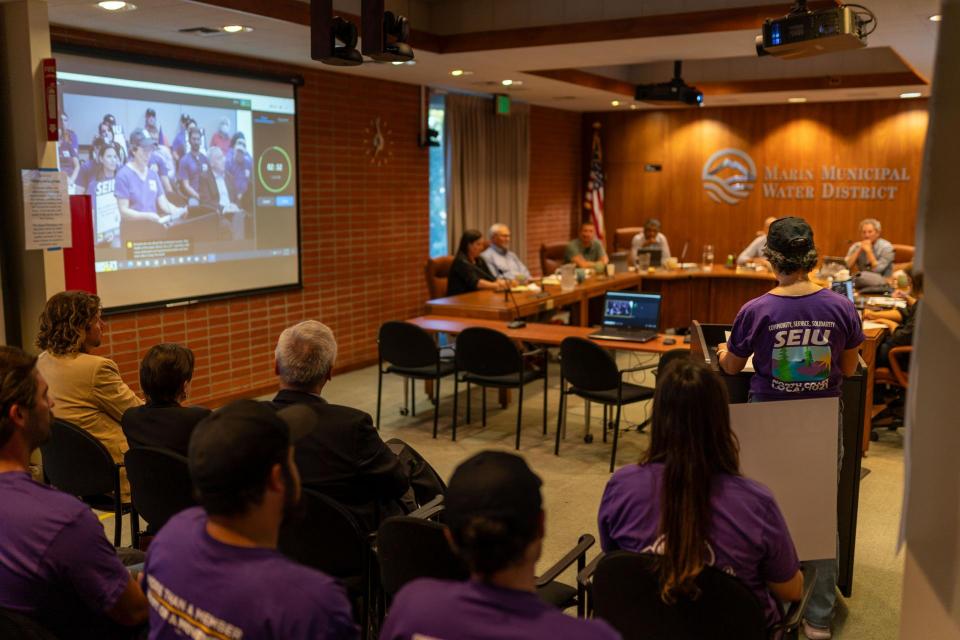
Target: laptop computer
x=629 y=316
x=844 y=288
x=656 y=255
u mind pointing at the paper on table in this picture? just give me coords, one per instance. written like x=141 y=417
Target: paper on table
x=870 y=324
x=747 y=367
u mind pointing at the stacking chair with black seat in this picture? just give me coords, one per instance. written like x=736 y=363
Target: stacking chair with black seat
x=593 y=375
x=410 y=548
x=77 y=463
x=160 y=485
x=326 y=536
x=411 y=352
x=624 y=590
x=488 y=358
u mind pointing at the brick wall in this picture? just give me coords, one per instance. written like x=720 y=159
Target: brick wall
x=555 y=176
x=364 y=241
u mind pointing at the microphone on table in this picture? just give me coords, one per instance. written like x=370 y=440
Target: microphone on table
x=683 y=254
x=516 y=323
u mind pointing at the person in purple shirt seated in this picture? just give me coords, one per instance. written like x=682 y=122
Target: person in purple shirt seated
x=804 y=339
x=56 y=565
x=180 y=140
x=496 y=523
x=140 y=194
x=688 y=489
x=240 y=166
x=192 y=165
x=214 y=570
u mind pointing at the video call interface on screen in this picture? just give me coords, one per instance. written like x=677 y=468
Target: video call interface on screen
x=183 y=178
x=635 y=310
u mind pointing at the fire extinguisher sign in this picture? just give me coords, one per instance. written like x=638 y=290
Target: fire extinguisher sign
x=50 y=98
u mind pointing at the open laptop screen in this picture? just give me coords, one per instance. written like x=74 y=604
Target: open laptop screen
x=844 y=288
x=631 y=310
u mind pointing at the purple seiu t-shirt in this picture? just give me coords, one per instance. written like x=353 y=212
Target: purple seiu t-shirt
x=56 y=564
x=241 y=169
x=194 y=582
x=473 y=610
x=796 y=342
x=191 y=168
x=747 y=538
x=141 y=192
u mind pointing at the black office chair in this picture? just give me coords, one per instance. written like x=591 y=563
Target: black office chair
x=18 y=626
x=412 y=353
x=594 y=376
x=77 y=463
x=160 y=485
x=624 y=590
x=325 y=536
x=410 y=547
x=488 y=358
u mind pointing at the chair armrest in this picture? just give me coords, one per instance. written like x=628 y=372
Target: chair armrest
x=430 y=509
x=896 y=367
x=643 y=367
x=796 y=611
x=584 y=577
x=580 y=551
x=535 y=352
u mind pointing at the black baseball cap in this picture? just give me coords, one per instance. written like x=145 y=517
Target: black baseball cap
x=238 y=443
x=790 y=236
x=497 y=485
x=139 y=138
x=151 y=112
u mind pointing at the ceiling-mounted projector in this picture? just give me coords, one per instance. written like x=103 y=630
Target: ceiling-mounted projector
x=670 y=92
x=803 y=33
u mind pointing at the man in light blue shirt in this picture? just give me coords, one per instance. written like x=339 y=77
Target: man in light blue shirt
x=873 y=253
x=503 y=262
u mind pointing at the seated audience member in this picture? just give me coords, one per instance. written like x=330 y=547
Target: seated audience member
x=151 y=126
x=496 y=523
x=753 y=254
x=214 y=571
x=240 y=167
x=901 y=322
x=217 y=192
x=192 y=165
x=101 y=187
x=68 y=148
x=872 y=254
x=165 y=375
x=56 y=565
x=88 y=389
x=586 y=251
x=221 y=138
x=503 y=262
x=140 y=194
x=88 y=168
x=687 y=501
x=344 y=458
x=651 y=238
x=178 y=146
x=469 y=271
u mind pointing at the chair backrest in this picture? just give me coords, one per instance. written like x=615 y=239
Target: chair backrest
x=626 y=593
x=552 y=257
x=410 y=548
x=75 y=462
x=322 y=534
x=586 y=365
x=486 y=352
x=903 y=253
x=900 y=364
x=623 y=237
x=406 y=345
x=19 y=626
x=160 y=484
x=437 y=272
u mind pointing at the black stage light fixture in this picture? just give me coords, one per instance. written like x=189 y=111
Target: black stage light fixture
x=384 y=33
x=325 y=30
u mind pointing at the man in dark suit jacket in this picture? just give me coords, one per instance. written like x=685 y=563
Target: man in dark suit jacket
x=344 y=457
x=217 y=192
x=165 y=375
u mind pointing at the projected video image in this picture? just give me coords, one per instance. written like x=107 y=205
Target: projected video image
x=180 y=174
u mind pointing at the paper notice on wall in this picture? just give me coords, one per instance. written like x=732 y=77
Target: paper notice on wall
x=46 y=209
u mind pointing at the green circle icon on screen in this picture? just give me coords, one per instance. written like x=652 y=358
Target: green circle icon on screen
x=274 y=169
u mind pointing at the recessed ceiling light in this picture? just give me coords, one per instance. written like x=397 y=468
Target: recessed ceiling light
x=936 y=17
x=456 y=73
x=911 y=94
x=116 y=5
x=614 y=103
x=236 y=28
x=506 y=83
x=796 y=99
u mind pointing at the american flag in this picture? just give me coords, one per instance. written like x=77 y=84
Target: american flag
x=593 y=200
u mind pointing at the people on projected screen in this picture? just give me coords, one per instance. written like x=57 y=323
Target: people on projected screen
x=650 y=238
x=140 y=193
x=217 y=192
x=88 y=168
x=117 y=132
x=192 y=165
x=222 y=137
x=179 y=146
x=152 y=127
x=240 y=166
x=102 y=188
x=158 y=162
x=69 y=150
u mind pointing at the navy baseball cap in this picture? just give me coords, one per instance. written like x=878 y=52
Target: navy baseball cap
x=497 y=485
x=243 y=440
x=141 y=137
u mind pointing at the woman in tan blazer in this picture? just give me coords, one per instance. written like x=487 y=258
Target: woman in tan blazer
x=87 y=389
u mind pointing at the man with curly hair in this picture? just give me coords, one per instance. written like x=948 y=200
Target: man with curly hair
x=87 y=388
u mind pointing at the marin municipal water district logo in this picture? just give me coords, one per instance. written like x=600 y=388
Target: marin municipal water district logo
x=729 y=175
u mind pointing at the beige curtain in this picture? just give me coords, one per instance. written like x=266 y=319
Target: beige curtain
x=488 y=168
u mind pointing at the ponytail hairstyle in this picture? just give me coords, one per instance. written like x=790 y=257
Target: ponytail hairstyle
x=691 y=437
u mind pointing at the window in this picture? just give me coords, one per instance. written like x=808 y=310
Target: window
x=439 y=245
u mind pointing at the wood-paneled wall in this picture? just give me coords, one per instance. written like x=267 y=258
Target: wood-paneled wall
x=804 y=137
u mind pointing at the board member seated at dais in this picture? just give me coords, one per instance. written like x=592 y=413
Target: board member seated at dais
x=586 y=251
x=140 y=193
x=872 y=254
x=469 y=271
x=650 y=238
x=753 y=254
x=503 y=262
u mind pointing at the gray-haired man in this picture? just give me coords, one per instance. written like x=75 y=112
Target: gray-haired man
x=872 y=254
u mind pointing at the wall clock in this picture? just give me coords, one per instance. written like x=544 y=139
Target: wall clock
x=378 y=142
